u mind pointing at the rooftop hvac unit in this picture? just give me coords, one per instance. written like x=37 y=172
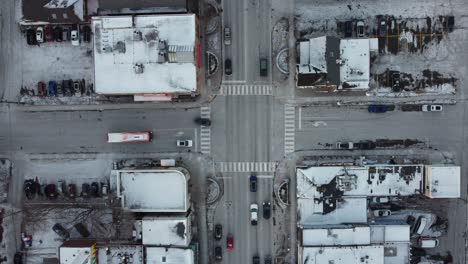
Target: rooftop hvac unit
x=120 y=46
x=138 y=68
x=162 y=45
x=107 y=49
x=137 y=36
x=162 y=57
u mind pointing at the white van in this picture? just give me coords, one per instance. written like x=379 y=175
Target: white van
x=420 y=225
x=428 y=242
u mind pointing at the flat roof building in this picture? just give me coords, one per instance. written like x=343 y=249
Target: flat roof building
x=442 y=181
x=166 y=231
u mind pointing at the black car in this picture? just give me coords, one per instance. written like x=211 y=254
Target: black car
x=253 y=183
x=256 y=260
x=67 y=86
x=61 y=231
x=228 y=67
x=29 y=189
x=348 y=29
x=86 y=34
x=218 y=232
x=18 y=259
x=365 y=145
x=85 y=190
x=263 y=67
x=95 y=189
x=410 y=220
x=76 y=88
x=266 y=210
x=218 y=253
x=203 y=121
x=65 y=34
x=82 y=230
x=58 y=34
x=31 y=37
x=268 y=259
x=51 y=191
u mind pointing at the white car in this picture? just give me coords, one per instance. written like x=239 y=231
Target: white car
x=360 y=29
x=432 y=108
x=428 y=242
x=227 y=36
x=185 y=143
x=345 y=145
x=75 y=38
x=40 y=34
x=254 y=214
x=381 y=213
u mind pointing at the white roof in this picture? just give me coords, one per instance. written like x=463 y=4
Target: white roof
x=72 y=255
x=118 y=251
x=166 y=231
x=152 y=190
x=343 y=255
x=114 y=68
x=359 y=235
x=312 y=53
x=397 y=253
x=390 y=233
x=442 y=181
x=355 y=55
x=160 y=255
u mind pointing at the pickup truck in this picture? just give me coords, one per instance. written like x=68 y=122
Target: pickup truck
x=423 y=108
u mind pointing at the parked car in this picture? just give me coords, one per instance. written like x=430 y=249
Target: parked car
x=420 y=225
x=382 y=213
x=76 y=88
x=29 y=189
x=83 y=86
x=86 y=34
x=203 y=121
x=228 y=67
x=218 y=231
x=380 y=199
x=365 y=145
x=41 y=90
x=71 y=190
x=348 y=29
x=256 y=259
x=49 y=34
x=58 y=34
x=82 y=230
x=184 y=143
x=432 y=108
x=345 y=145
x=396 y=82
x=428 y=242
x=254 y=214
x=59 y=89
x=67 y=86
x=266 y=210
x=411 y=220
x=383 y=27
x=65 y=34
x=230 y=242
x=40 y=34
x=253 y=183
x=104 y=189
x=85 y=190
x=61 y=231
x=18 y=258
x=52 y=88
x=268 y=259
x=75 y=38
x=218 y=253
x=360 y=29
x=31 y=37
x=377 y=108
x=95 y=189
x=51 y=191
x=263 y=67
x=227 y=36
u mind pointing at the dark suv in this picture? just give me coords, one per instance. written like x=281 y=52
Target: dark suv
x=218 y=233
x=256 y=260
x=266 y=210
x=61 y=231
x=253 y=183
x=263 y=67
x=228 y=67
x=218 y=253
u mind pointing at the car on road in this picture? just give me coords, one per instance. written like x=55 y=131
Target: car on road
x=187 y=143
x=49 y=34
x=31 y=37
x=428 y=242
x=256 y=259
x=254 y=214
x=40 y=34
x=230 y=242
x=58 y=35
x=227 y=36
x=51 y=191
x=61 y=231
x=345 y=145
x=86 y=34
x=377 y=108
x=266 y=210
x=129 y=137
x=228 y=67
x=348 y=29
x=75 y=37
x=218 y=253
x=383 y=27
x=431 y=108
x=360 y=29
x=263 y=67
x=253 y=183
x=203 y=121
x=218 y=231
x=52 y=88
x=268 y=259
x=382 y=213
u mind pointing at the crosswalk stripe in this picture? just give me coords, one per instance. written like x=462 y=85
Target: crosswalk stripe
x=205 y=132
x=226 y=90
x=289 y=128
x=246 y=166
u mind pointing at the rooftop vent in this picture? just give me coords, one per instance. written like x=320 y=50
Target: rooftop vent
x=120 y=46
x=138 y=68
x=137 y=35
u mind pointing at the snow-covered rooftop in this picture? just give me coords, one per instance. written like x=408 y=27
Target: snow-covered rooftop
x=165 y=231
x=392 y=233
x=442 y=181
x=72 y=255
x=117 y=254
x=313 y=55
x=156 y=255
x=359 y=235
x=152 y=190
x=145 y=54
x=343 y=255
